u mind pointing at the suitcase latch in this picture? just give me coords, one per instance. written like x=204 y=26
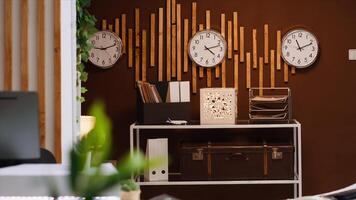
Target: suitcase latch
x=199 y=155
x=276 y=155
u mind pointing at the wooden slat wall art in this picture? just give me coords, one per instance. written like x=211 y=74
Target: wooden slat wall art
x=279 y=50
x=222 y=29
x=110 y=27
x=168 y=39
x=254 y=48
x=24 y=45
x=117 y=26
x=273 y=79
x=123 y=33
x=137 y=27
x=179 y=42
x=41 y=68
x=236 y=71
x=236 y=30
x=160 y=44
x=286 y=71
x=260 y=79
x=194 y=30
x=8 y=45
x=248 y=70
x=223 y=64
x=229 y=39
x=201 y=69
x=104 y=25
x=242 y=44
x=57 y=79
x=185 y=45
x=130 y=48
x=153 y=40
x=144 y=55
x=174 y=39
x=266 y=52
x=208 y=70
x=137 y=64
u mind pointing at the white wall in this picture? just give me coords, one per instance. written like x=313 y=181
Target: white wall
x=69 y=104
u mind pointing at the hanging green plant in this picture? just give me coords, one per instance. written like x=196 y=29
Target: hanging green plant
x=85 y=29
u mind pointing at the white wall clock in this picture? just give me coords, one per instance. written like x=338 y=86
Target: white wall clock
x=300 y=48
x=107 y=49
x=207 y=48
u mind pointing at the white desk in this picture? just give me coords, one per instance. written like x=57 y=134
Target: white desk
x=38 y=179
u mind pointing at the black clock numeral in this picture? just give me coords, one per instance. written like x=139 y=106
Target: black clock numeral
x=114 y=56
x=103 y=35
x=117 y=49
x=201 y=37
x=214 y=36
x=219 y=41
x=201 y=59
x=293 y=58
x=103 y=62
x=307 y=36
x=213 y=60
x=289 y=41
x=110 y=60
x=207 y=35
x=311 y=55
x=92 y=55
x=299 y=61
x=293 y=36
x=93 y=42
x=221 y=49
x=288 y=54
x=97 y=37
x=193 y=47
x=305 y=60
x=218 y=56
x=207 y=61
x=97 y=59
x=313 y=48
x=300 y=35
x=285 y=47
x=195 y=54
x=196 y=41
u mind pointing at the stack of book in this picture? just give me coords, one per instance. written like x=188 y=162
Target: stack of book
x=148 y=92
x=274 y=104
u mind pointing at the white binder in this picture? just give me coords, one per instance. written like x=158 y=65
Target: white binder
x=157 y=149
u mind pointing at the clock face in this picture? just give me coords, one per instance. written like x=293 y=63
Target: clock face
x=107 y=49
x=207 y=48
x=300 y=48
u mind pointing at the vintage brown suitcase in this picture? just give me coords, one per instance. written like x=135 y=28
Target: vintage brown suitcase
x=236 y=162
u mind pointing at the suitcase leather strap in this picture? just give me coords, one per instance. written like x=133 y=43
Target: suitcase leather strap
x=209 y=160
x=265 y=160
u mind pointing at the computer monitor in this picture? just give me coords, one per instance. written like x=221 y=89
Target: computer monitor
x=19 y=126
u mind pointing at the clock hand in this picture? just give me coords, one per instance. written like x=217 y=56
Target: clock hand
x=298 y=46
x=213 y=47
x=104 y=48
x=206 y=48
x=306 y=45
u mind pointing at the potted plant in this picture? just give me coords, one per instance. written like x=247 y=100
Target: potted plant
x=130 y=190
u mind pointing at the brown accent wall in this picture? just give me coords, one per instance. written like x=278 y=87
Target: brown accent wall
x=323 y=96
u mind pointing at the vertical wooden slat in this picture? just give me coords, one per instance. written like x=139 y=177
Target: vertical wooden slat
x=242 y=44
x=236 y=71
x=273 y=82
x=266 y=52
x=137 y=64
x=229 y=39
x=168 y=39
x=104 y=24
x=137 y=27
x=123 y=32
x=41 y=68
x=110 y=27
x=57 y=80
x=174 y=13
x=201 y=69
x=117 y=26
x=223 y=73
x=24 y=45
x=174 y=50
x=185 y=45
x=179 y=43
x=279 y=50
x=260 y=80
x=153 y=40
x=144 y=55
x=286 y=72
x=194 y=29
x=208 y=70
x=236 y=26
x=248 y=70
x=254 y=47
x=130 y=48
x=160 y=44
x=222 y=31
x=8 y=45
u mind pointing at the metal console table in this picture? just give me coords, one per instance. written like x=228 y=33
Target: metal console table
x=245 y=124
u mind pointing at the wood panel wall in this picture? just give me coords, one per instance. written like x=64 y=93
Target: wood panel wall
x=25 y=79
